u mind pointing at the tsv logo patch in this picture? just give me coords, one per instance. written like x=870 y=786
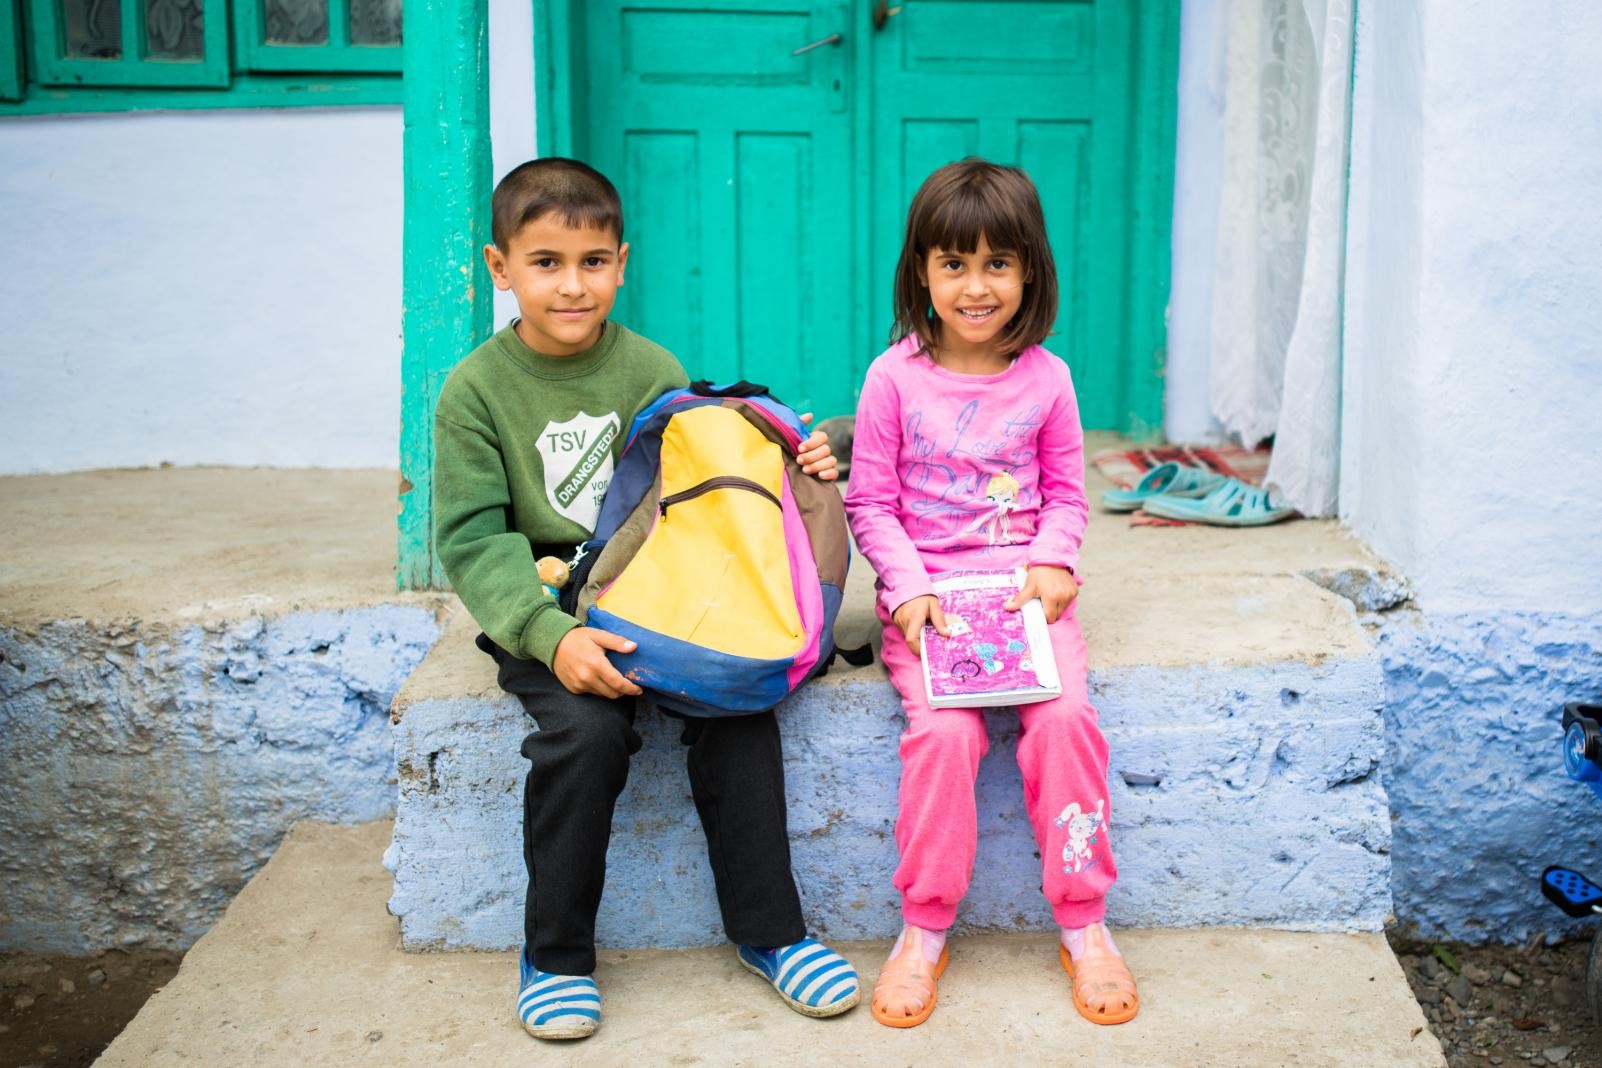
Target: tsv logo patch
x=577 y=457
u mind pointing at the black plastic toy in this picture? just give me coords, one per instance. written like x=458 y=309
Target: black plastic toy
x=1571 y=891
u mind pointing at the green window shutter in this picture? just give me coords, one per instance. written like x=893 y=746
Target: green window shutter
x=10 y=50
x=321 y=36
x=128 y=42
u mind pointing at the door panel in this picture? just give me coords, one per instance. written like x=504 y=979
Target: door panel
x=704 y=47
x=733 y=159
x=1057 y=155
x=989 y=37
x=661 y=296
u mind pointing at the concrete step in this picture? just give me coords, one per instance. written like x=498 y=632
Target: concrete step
x=1249 y=693
x=191 y=659
x=306 y=968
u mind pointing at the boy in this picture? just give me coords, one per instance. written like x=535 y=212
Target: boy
x=526 y=434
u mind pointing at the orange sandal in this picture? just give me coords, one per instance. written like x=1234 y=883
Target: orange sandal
x=1101 y=972
x=909 y=976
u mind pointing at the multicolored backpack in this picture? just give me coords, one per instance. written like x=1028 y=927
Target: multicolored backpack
x=715 y=553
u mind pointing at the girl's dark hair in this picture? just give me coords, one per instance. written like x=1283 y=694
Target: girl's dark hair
x=577 y=193
x=955 y=206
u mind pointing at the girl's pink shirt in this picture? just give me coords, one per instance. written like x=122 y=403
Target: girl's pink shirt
x=951 y=472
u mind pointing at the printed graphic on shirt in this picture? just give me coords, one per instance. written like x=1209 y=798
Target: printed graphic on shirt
x=1082 y=827
x=577 y=457
x=974 y=474
x=1001 y=494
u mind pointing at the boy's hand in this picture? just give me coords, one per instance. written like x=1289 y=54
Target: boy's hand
x=581 y=665
x=914 y=614
x=815 y=456
x=1055 y=586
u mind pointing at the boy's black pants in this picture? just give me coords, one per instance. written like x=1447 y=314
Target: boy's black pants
x=578 y=763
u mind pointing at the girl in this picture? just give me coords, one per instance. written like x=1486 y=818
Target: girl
x=969 y=456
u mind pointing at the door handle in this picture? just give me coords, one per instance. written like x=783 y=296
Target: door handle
x=830 y=72
x=832 y=39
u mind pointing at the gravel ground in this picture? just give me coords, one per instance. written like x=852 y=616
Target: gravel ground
x=1505 y=1005
x=61 y=1012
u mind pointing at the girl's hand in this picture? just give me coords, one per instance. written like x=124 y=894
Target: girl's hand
x=1055 y=586
x=912 y=616
x=815 y=456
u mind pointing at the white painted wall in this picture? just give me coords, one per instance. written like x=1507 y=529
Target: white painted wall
x=1198 y=177
x=1473 y=354
x=215 y=287
x=511 y=37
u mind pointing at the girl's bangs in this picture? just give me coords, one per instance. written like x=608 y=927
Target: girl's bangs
x=957 y=224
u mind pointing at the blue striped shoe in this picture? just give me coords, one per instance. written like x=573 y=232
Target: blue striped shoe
x=812 y=979
x=556 y=1006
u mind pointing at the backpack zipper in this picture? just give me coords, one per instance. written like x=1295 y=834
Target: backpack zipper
x=720 y=482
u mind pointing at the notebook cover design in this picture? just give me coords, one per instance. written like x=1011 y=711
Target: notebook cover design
x=993 y=657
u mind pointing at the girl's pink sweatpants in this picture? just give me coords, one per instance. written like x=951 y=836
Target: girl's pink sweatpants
x=1063 y=758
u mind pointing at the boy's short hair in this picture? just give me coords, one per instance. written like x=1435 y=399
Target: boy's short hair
x=577 y=193
x=955 y=206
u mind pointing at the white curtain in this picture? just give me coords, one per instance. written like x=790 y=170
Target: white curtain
x=1275 y=346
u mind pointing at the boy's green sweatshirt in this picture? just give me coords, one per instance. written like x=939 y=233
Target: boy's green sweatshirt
x=524 y=447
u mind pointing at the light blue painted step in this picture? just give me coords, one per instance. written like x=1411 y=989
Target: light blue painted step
x=1255 y=699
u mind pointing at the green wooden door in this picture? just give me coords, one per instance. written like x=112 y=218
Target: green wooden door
x=733 y=157
x=766 y=192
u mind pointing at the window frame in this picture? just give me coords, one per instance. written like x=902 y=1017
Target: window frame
x=138 y=83
x=11 y=80
x=253 y=52
x=50 y=66
x=245 y=91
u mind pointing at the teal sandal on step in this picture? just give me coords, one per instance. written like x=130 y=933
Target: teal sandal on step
x=1232 y=504
x=1170 y=480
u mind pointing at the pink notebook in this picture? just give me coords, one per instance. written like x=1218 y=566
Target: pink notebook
x=993 y=657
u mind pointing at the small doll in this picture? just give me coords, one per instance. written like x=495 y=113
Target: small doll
x=553 y=574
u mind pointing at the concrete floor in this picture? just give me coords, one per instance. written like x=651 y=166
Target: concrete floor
x=306 y=968
x=195 y=544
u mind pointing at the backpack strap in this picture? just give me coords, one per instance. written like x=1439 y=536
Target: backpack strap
x=861 y=656
x=742 y=388
x=753 y=397
x=758 y=398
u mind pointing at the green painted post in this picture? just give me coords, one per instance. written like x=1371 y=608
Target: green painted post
x=448 y=305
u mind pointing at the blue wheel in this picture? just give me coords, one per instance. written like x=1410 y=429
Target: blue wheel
x=1574 y=761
